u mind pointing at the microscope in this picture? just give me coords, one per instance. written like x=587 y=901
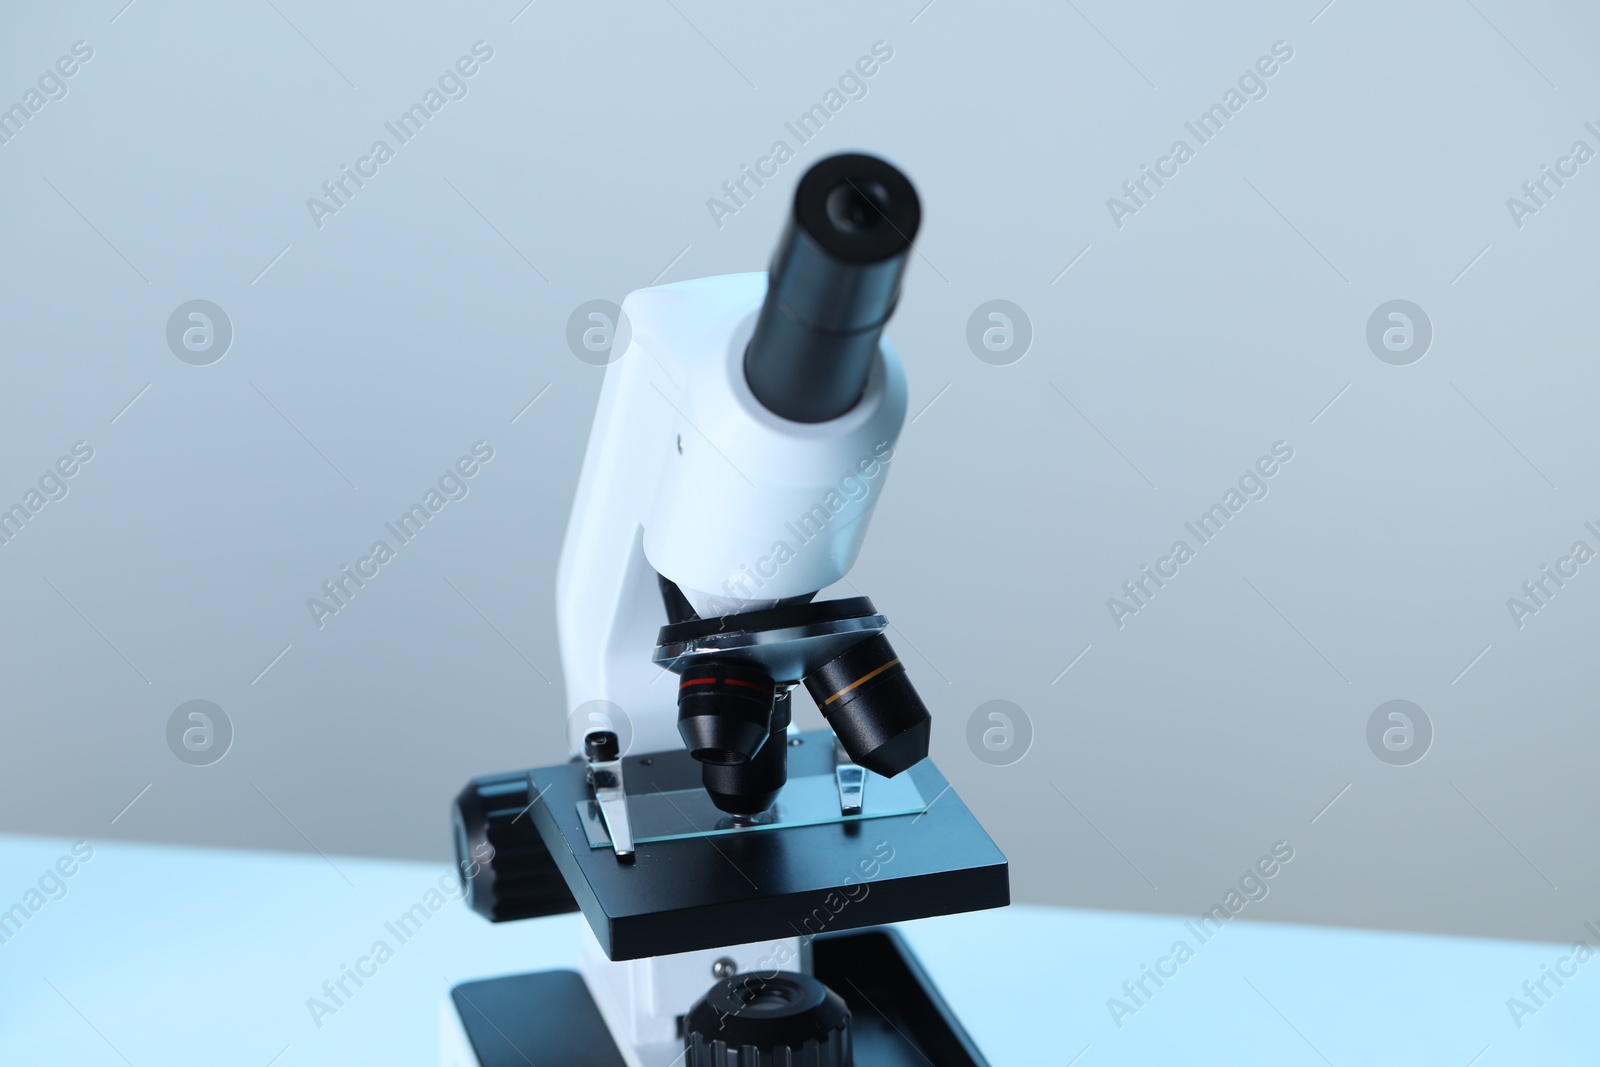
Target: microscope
x=735 y=872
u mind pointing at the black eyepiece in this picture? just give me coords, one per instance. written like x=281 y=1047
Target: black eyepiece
x=856 y=209
x=833 y=283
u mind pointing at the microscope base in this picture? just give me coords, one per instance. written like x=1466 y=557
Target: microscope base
x=544 y=1017
x=549 y=1017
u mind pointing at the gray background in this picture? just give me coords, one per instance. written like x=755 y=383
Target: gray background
x=1225 y=316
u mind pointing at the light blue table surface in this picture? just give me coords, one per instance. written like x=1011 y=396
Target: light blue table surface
x=168 y=955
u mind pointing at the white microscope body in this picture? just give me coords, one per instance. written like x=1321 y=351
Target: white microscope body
x=743 y=436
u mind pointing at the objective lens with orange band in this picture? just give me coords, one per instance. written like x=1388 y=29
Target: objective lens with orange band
x=868 y=699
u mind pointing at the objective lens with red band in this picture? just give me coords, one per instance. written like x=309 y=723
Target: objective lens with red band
x=724 y=711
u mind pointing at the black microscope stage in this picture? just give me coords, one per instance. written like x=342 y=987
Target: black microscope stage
x=766 y=883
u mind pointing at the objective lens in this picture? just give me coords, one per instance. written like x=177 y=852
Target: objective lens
x=724 y=712
x=751 y=787
x=868 y=699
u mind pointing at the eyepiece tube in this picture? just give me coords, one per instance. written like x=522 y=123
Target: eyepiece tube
x=833 y=283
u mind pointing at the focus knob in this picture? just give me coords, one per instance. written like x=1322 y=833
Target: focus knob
x=769 y=1020
x=502 y=862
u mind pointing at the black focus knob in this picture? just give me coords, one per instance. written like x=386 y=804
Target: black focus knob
x=769 y=1020
x=501 y=861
